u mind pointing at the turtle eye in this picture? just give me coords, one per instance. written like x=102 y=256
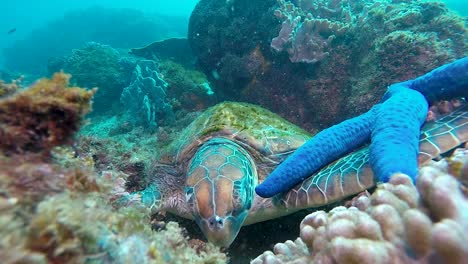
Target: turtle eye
x=241 y=198
x=189 y=196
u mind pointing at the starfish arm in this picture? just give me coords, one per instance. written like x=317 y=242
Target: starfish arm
x=445 y=82
x=395 y=133
x=323 y=148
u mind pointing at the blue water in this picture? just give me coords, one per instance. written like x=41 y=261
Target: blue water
x=28 y=15
x=461 y=6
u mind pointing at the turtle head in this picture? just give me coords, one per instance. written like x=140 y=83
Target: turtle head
x=221 y=178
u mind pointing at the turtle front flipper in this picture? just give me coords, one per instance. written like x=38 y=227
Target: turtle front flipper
x=352 y=174
x=221 y=178
x=345 y=177
x=151 y=197
x=444 y=134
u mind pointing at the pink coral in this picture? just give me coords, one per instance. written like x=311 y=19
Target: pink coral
x=304 y=36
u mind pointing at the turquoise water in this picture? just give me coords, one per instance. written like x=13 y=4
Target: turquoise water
x=461 y=6
x=28 y=15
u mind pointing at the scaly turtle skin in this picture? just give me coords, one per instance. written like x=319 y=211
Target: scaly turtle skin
x=217 y=161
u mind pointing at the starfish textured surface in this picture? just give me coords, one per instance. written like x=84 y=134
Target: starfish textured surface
x=394 y=125
x=395 y=133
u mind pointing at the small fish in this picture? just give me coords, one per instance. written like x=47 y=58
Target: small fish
x=11 y=31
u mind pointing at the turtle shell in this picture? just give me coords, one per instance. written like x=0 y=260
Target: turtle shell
x=221 y=157
x=266 y=136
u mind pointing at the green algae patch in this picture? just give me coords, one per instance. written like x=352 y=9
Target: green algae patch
x=252 y=125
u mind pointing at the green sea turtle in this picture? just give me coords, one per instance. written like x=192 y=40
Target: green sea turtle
x=212 y=167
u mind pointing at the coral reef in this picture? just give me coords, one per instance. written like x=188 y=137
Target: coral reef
x=398 y=222
x=188 y=88
x=72 y=226
x=56 y=208
x=208 y=20
x=307 y=52
x=145 y=99
x=230 y=29
x=96 y=65
x=304 y=34
x=33 y=178
x=115 y=144
x=43 y=116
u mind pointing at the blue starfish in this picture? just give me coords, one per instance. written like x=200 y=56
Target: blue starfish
x=393 y=127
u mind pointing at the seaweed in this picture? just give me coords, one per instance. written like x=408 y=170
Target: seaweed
x=43 y=116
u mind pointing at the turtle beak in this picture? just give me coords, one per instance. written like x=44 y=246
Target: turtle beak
x=221 y=231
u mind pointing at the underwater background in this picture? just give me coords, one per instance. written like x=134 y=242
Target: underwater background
x=102 y=99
